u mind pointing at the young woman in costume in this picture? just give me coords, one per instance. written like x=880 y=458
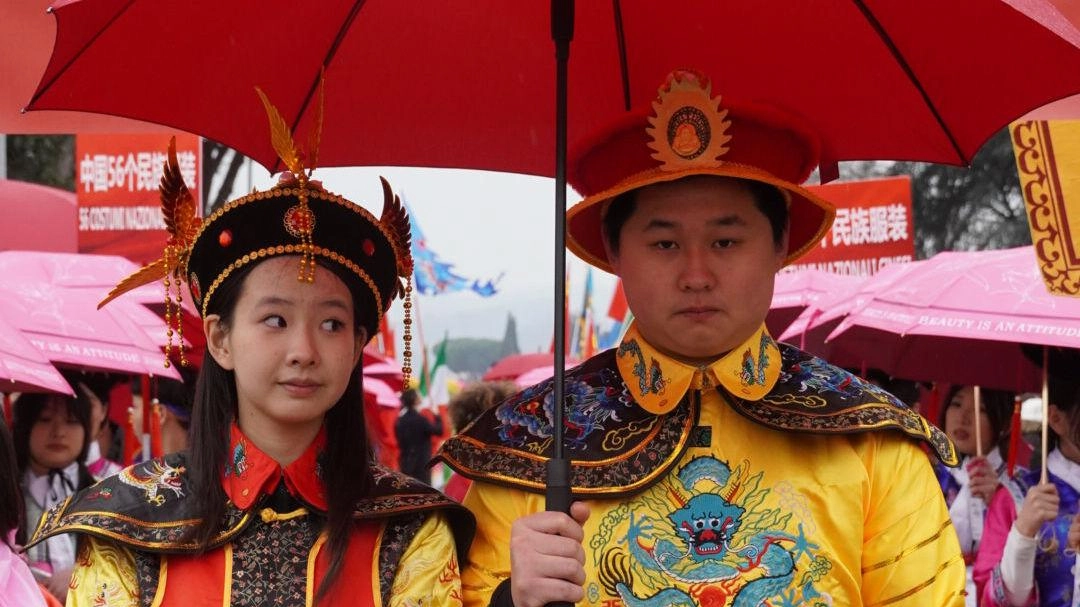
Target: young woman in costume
x=276 y=502
x=1027 y=554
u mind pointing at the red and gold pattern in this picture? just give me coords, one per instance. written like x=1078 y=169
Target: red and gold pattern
x=688 y=127
x=1047 y=154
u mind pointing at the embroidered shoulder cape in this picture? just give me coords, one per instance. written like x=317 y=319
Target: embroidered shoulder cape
x=619 y=447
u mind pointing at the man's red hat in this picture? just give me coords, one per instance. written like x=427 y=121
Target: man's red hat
x=689 y=132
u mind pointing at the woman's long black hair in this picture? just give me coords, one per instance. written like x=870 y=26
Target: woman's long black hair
x=346 y=474
x=11 y=500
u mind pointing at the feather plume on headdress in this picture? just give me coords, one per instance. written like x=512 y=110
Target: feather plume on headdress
x=182 y=223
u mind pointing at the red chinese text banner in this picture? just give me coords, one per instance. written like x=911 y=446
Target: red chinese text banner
x=873 y=227
x=117 y=179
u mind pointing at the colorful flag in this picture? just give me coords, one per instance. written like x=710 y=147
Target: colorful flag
x=433 y=380
x=618 y=311
x=583 y=331
x=433 y=276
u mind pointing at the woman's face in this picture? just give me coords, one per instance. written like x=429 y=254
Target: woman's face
x=292 y=346
x=960 y=423
x=56 y=438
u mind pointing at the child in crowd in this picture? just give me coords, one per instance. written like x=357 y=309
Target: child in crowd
x=52 y=435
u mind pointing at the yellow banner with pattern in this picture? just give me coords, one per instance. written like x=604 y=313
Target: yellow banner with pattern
x=1048 y=162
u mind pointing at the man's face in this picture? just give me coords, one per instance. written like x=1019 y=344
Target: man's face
x=697 y=260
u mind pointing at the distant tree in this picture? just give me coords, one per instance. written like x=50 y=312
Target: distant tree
x=961 y=209
x=44 y=159
x=472 y=356
x=510 y=338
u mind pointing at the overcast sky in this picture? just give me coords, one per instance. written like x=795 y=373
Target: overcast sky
x=486 y=224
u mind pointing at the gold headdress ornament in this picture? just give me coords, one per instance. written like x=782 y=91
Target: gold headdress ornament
x=281 y=221
x=688 y=128
x=182 y=222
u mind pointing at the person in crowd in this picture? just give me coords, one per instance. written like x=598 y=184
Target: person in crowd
x=18 y=588
x=711 y=465
x=464 y=407
x=276 y=501
x=172 y=403
x=52 y=435
x=969 y=487
x=93 y=388
x=1029 y=542
x=414 y=432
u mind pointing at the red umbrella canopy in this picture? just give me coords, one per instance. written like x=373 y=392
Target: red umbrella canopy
x=512 y=366
x=38 y=218
x=471 y=84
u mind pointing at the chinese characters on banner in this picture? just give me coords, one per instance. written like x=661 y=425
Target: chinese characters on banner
x=873 y=227
x=117 y=179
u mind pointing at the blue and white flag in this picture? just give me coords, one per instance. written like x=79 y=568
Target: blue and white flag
x=434 y=276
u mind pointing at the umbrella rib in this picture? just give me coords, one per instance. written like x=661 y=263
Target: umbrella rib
x=330 y=52
x=45 y=86
x=620 y=35
x=899 y=58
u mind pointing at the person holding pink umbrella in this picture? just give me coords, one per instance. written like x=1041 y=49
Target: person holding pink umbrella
x=1028 y=550
x=985 y=452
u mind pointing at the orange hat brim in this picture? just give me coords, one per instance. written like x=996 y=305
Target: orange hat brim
x=810 y=215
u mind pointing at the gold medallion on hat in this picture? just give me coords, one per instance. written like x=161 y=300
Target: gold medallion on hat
x=688 y=128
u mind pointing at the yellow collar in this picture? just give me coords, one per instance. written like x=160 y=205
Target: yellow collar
x=658 y=382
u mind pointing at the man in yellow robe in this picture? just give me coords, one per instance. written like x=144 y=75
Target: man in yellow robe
x=712 y=465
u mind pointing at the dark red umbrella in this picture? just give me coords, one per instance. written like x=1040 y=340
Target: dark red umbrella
x=470 y=84
x=513 y=366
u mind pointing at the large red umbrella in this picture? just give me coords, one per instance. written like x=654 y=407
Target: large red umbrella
x=470 y=84
x=962 y=318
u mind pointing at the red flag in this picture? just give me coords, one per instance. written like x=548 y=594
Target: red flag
x=387 y=339
x=618 y=308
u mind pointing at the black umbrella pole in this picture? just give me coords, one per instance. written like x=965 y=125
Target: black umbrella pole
x=558 y=469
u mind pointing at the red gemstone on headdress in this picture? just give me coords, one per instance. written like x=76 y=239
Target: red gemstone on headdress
x=225 y=238
x=369 y=247
x=299 y=221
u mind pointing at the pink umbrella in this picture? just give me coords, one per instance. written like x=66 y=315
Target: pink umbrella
x=813 y=325
x=961 y=318
x=52 y=299
x=384 y=395
x=510 y=367
x=535 y=376
x=798 y=290
x=385 y=372
x=23 y=368
x=38 y=218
